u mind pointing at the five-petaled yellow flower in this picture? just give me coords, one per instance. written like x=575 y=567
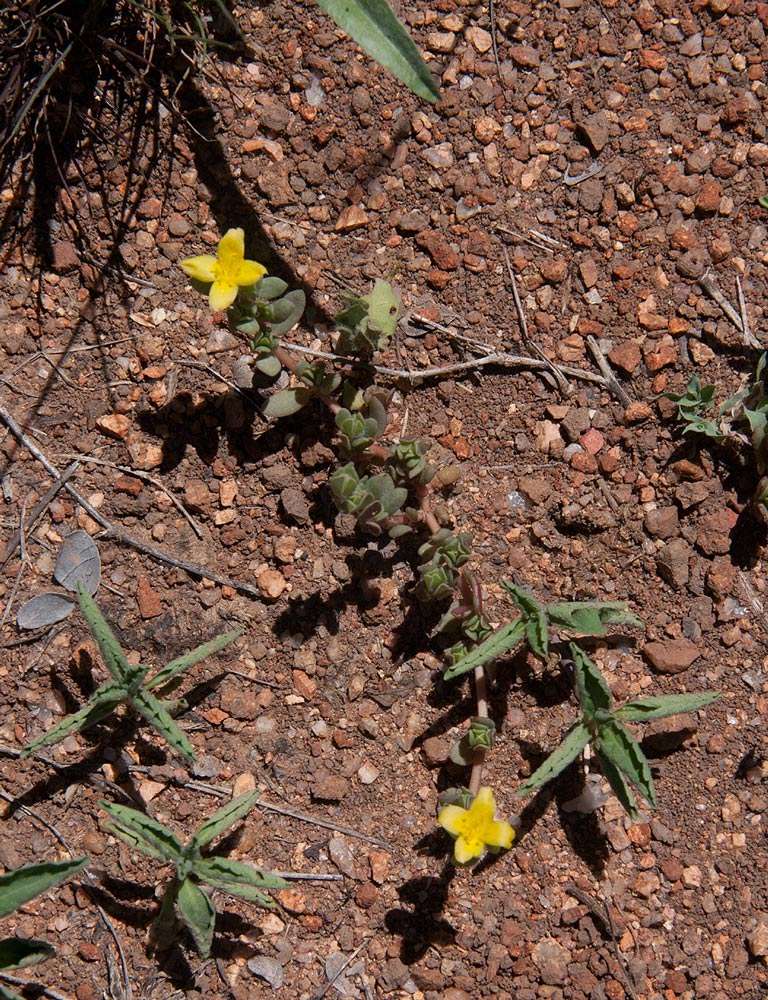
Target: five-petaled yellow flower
x=476 y=828
x=227 y=271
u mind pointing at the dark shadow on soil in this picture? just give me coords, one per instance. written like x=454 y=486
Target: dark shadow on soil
x=419 y=922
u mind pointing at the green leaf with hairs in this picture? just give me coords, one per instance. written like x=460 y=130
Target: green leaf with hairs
x=232 y=876
x=619 y=786
x=104 y=700
x=224 y=818
x=196 y=910
x=158 y=716
x=19 y=953
x=616 y=744
x=534 y=614
x=591 y=688
x=502 y=641
x=574 y=742
x=182 y=663
x=111 y=651
x=376 y=29
x=20 y=885
x=644 y=709
x=144 y=833
x=590 y=617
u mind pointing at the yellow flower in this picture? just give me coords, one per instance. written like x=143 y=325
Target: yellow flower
x=475 y=829
x=227 y=271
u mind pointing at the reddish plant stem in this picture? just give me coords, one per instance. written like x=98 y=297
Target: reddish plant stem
x=481 y=697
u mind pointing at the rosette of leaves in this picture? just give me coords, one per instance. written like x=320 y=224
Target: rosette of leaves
x=357 y=430
x=17 y=887
x=466 y=617
x=264 y=312
x=372 y=499
x=193 y=866
x=407 y=463
x=579 y=618
x=316 y=381
x=442 y=556
x=130 y=685
x=621 y=757
x=478 y=739
x=368 y=322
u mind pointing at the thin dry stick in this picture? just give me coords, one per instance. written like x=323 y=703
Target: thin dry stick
x=602 y=911
x=37 y=512
x=749 y=339
x=492 y=16
x=22 y=566
x=557 y=372
x=709 y=286
x=43 y=991
x=345 y=965
x=138 y=474
x=115 y=533
x=611 y=381
x=500 y=359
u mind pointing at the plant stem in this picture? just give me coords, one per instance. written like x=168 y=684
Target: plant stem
x=481 y=697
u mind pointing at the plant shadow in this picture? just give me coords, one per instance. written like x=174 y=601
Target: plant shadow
x=419 y=922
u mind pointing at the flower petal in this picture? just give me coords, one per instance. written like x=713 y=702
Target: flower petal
x=230 y=252
x=452 y=819
x=483 y=806
x=467 y=848
x=499 y=833
x=200 y=268
x=249 y=272
x=221 y=295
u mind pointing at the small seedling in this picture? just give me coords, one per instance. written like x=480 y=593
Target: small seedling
x=129 y=685
x=16 y=888
x=622 y=760
x=184 y=895
x=742 y=420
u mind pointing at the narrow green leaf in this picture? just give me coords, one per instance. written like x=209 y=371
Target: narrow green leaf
x=182 y=663
x=158 y=716
x=502 y=641
x=22 y=884
x=590 y=617
x=8 y=994
x=18 y=953
x=103 y=701
x=536 y=625
x=224 y=818
x=573 y=743
x=220 y=872
x=111 y=651
x=144 y=833
x=620 y=788
x=373 y=25
x=623 y=751
x=643 y=709
x=196 y=910
x=591 y=688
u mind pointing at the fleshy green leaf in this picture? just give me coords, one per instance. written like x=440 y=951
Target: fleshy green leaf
x=286 y=402
x=286 y=312
x=224 y=818
x=574 y=742
x=158 y=716
x=270 y=287
x=269 y=365
x=18 y=953
x=590 y=617
x=643 y=709
x=620 y=788
x=22 y=884
x=144 y=833
x=502 y=641
x=373 y=25
x=624 y=752
x=111 y=651
x=593 y=693
x=196 y=910
x=182 y=663
x=104 y=700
